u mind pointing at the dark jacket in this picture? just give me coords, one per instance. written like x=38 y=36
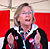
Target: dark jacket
x=19 y=41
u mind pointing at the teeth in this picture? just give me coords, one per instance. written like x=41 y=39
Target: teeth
x=27 y=20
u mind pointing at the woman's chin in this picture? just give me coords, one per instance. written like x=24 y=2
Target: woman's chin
x=28 y=24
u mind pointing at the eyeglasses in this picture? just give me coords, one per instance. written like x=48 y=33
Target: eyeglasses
x=24 y=13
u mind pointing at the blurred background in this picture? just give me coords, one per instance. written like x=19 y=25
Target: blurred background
x=10 y=6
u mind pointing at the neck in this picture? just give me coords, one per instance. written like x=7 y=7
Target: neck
x=25 y=27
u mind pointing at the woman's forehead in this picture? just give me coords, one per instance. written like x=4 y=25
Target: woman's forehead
x=26 y=8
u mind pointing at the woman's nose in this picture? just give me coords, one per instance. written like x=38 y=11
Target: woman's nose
x=27 y=14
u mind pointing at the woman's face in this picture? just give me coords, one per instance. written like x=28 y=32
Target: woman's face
x=25 y=17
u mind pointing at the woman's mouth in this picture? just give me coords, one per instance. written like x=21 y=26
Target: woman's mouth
x=27 y=20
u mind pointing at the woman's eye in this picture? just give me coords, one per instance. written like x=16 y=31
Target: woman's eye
x=23 y=13
x=29 y=12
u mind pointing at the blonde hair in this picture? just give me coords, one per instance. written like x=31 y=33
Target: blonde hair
x=16 y=15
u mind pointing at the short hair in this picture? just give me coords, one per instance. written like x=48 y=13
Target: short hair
x=16 y=15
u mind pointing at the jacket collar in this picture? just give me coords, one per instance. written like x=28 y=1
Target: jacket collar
x=34 y=27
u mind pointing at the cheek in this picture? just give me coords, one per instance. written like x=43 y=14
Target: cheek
x=31 y=17
x=21 y=18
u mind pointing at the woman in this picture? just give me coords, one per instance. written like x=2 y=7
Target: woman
x=25 y=34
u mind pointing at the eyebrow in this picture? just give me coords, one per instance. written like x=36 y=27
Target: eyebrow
x=25 y=11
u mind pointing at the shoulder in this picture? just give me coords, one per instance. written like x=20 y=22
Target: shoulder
x=11 y=30
x=41 y=31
